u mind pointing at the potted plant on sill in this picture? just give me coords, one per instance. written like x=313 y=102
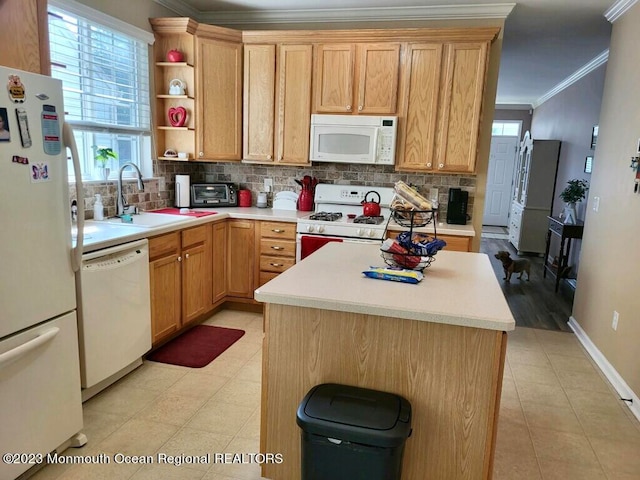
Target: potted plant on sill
x=575 y=191
x=103 y=158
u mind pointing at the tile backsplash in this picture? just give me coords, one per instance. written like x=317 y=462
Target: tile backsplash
x=159 y=191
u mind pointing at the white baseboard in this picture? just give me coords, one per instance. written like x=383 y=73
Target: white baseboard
x=611 y=373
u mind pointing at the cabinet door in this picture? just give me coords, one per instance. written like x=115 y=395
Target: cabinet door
x=461 y=102
x=334 y=78
x=421 y=83
x=196 y=287
x=378 y=78
x=293 y=100
x=23 y=32
x=240 y=258
x=219 y=261
x=219 y=100
x=259 y=101
x=164 y=282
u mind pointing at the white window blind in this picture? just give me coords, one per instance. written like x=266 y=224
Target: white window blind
x=105 y=77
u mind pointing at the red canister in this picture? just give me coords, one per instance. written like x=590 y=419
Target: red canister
x=244 y=198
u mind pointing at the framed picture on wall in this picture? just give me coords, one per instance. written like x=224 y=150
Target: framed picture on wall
x=588 y=164
x=594 y=136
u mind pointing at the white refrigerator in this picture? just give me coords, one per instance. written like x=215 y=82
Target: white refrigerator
x=40 y=399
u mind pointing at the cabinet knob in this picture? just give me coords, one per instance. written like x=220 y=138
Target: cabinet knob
x=276 y=264
x=268 y=157
x=275 y=247
x=179 y=259
x=279 y=158
x=348 y=108
x=277 y=230
x=429 y=164
x=201 y=154
x=186 y=255
x=441 y=165
x=359 y=108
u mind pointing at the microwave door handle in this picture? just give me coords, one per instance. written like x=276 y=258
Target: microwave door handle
x=376 y=137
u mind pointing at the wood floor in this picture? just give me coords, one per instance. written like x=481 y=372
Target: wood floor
x=534 y=303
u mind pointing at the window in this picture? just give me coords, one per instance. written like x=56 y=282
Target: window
x=105 y=79
x=507 y=128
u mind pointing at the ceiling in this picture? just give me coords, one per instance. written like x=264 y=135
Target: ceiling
x=545 y=41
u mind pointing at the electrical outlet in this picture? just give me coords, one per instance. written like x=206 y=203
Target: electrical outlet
x=614 y=323
x=268 y=184
x=596 y=204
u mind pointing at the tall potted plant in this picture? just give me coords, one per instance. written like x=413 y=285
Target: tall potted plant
x=103 y=158
x=574 y=192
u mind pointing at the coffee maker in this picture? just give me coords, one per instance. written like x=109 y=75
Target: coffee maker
x=457 y=206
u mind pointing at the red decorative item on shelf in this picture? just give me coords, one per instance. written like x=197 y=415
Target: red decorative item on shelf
x=177 y=116
x=175 y=56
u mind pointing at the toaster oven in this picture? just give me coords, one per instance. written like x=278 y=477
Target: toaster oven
x=213 y=195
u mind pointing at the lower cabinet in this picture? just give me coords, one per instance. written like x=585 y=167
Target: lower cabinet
x=455 y=243
x=276 y=242
x=219 y=261
x=180 y=279
x=240 y=258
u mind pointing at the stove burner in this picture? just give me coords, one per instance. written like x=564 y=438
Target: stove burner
x=370 y=220
x=326 y=216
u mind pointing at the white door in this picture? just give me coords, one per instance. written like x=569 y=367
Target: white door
x=502 y=160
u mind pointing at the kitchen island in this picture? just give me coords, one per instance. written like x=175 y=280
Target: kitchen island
x=440 y=344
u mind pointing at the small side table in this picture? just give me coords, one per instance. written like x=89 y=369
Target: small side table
x=567 y=232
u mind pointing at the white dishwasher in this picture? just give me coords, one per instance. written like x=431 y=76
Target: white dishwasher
x=114 y=313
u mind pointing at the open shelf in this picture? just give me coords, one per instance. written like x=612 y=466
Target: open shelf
x=174 y=64
x=166 y=95
x=165 y=127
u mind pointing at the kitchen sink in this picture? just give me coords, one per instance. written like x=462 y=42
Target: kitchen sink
x=149 y=220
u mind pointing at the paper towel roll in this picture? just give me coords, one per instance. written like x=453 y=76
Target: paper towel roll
x=183 y=194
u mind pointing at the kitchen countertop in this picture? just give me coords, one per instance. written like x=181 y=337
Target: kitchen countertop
x=459 y=288
x=101 y=234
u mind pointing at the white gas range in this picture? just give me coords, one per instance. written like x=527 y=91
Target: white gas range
x=338 y=217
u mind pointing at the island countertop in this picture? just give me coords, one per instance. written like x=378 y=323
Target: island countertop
x=459 y=288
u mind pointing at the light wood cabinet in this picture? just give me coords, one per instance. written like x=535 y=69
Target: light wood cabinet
x=276 y=244
x=455 y=243
x=24 y=35
x=240 y=258
x=277 y=104
x=212 y=71
x=442 y=93
x=219 y=261
x=180 y=279
x=165 y=274
x=219 y=88
x=356 y=78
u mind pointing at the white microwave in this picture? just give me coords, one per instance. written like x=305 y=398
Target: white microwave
x=363 y=139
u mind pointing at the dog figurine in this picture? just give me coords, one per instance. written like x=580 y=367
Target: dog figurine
x=512 y=266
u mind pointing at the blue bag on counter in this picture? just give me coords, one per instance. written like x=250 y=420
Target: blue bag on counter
x=394 y=275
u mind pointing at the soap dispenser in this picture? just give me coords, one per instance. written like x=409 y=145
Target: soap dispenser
x=98 y=208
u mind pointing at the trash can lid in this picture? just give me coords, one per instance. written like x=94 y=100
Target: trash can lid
x=355 y=414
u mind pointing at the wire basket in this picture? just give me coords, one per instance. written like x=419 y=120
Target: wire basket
x=412 y=218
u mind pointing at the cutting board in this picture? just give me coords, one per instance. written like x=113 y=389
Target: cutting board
x=176 y=211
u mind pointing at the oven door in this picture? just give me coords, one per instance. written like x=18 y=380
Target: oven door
x=307 y=244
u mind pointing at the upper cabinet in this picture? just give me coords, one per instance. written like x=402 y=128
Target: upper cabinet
x=443 y=86
x=24 y=35
x=277 y=104
x=198 y=100
x=356 y=78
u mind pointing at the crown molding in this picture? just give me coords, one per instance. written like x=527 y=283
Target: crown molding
x=320 y=15
x=513 y=106
x=181 y=8
x=618 y=9
x=577 y=75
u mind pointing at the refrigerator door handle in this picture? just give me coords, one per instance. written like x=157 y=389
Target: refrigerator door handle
x=70 y=141
x=25 y=348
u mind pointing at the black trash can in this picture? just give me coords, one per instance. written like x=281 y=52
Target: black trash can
x=352 y=433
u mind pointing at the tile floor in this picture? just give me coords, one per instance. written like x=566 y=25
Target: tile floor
x=559 y=418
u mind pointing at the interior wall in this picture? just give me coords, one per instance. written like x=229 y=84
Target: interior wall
x=569 y=118
x=609 y=275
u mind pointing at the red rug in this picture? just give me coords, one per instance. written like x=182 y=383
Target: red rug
x=197 y=347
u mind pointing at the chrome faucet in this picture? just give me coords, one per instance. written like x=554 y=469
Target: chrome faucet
x=123 y=206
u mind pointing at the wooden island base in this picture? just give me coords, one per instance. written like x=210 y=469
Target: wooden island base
x=451 y=375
